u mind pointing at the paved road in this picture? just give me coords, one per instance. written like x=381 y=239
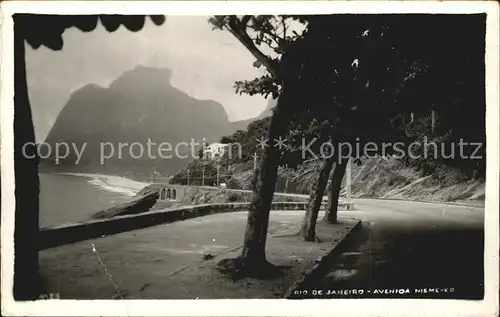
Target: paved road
x=142 y=263
x=409 y=245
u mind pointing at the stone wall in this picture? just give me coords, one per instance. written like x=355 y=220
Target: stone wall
x=65 y=234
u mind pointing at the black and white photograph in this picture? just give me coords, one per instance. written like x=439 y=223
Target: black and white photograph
x=294 y=151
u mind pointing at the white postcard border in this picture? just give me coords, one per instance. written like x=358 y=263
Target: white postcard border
x=280 y=307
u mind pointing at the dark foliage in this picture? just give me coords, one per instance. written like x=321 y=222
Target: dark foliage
x=46 y=30
x=397 y=74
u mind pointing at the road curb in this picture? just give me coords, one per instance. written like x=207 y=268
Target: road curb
x=319 y=267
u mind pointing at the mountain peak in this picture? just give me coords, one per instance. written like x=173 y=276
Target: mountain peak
x=89 y=88
x=143 y=76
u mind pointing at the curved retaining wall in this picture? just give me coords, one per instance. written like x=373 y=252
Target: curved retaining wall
x=65 y=234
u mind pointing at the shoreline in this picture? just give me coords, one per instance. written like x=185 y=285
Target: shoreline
x=111 y=183
x=129 y=187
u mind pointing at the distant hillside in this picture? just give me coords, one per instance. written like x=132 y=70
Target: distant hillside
x=267 y=112
x=377 y=177
x=139 y=105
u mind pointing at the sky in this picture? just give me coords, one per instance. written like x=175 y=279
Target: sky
x=205 y=64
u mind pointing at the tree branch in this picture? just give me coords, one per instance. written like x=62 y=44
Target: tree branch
x=238 y=31
x=284 y=27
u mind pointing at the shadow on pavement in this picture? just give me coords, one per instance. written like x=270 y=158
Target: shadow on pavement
x=429 y=261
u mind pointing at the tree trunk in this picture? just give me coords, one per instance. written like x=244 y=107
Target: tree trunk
x=26 y=279
x=308 y=229
x=333 y=194
x=253 y=254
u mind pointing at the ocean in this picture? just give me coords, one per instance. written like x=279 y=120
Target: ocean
x=70 y=198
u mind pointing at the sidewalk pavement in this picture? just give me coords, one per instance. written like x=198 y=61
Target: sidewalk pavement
x=167 y=261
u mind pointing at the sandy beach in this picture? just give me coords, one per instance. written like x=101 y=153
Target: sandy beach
x=87 y=194
x=113 y=183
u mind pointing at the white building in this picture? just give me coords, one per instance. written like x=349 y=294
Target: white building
x=214 y=151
